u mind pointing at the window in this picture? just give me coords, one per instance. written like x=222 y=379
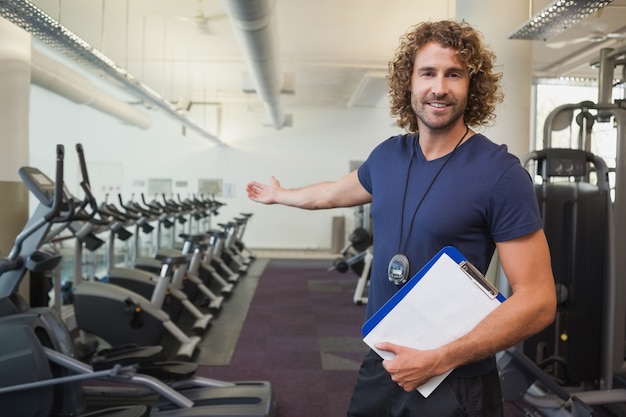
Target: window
x=578 y=130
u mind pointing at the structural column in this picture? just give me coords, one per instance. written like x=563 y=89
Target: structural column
x=14 y=107
x=496 y=19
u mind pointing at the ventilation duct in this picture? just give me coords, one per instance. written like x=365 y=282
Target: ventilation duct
x=56 y=77
x=253 y=23
x=25 y=15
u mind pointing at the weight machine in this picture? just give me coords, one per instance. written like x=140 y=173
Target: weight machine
x=584 y=367
x=357 y=255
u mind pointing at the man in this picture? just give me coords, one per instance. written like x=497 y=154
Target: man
x=442 y=184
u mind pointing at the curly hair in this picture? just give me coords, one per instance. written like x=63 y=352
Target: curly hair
x=484 y=87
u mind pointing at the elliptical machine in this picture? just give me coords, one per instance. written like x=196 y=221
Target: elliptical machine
x=26 y=339
x=39 y=346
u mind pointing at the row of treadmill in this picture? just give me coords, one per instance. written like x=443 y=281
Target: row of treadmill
x=128 y=353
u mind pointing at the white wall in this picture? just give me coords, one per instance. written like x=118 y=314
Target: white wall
x=318 y=147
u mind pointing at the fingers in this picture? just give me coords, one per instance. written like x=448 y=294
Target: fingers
x=254 y=190
x=401 y=380
x=407 y=388
x=387 y=347
x=261 y=192
x=396 y=376
x=255 y=187
x=405 y=377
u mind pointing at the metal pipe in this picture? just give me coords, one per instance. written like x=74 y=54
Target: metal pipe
x=253 y=23
x=27 y=16
x=58 y=78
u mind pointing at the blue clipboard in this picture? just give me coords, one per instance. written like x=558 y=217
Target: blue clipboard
x=439 y=304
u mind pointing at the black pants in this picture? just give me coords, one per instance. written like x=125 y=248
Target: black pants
x=376 y=395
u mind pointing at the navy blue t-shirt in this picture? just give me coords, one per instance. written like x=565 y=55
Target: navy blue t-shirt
x=481 y=196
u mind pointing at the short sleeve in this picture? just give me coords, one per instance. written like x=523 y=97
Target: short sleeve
x=513 y=208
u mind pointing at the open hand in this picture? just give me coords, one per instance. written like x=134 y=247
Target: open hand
x=263 y=193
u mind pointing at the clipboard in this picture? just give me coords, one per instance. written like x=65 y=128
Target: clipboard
x=446 y=299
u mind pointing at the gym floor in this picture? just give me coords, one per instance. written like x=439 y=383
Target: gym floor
x=300 y=331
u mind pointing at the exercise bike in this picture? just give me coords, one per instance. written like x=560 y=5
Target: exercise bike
x=39 y=347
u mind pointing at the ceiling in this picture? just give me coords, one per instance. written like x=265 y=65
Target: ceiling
x=574 y=54
x=326 y=48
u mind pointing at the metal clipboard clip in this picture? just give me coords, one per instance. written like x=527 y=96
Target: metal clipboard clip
x=481 y=282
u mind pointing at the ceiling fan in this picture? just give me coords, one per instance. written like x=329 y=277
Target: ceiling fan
x=201 y=20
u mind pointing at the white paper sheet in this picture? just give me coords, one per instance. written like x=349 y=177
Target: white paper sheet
x=444 y=305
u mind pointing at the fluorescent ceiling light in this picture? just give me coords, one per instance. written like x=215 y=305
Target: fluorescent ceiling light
x=556 y=18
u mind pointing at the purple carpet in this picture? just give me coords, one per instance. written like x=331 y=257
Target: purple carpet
x=302 y=333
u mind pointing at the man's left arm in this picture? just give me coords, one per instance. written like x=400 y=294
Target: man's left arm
x=530 y=308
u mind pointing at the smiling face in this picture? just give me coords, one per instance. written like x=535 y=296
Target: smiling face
x=439 y=88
